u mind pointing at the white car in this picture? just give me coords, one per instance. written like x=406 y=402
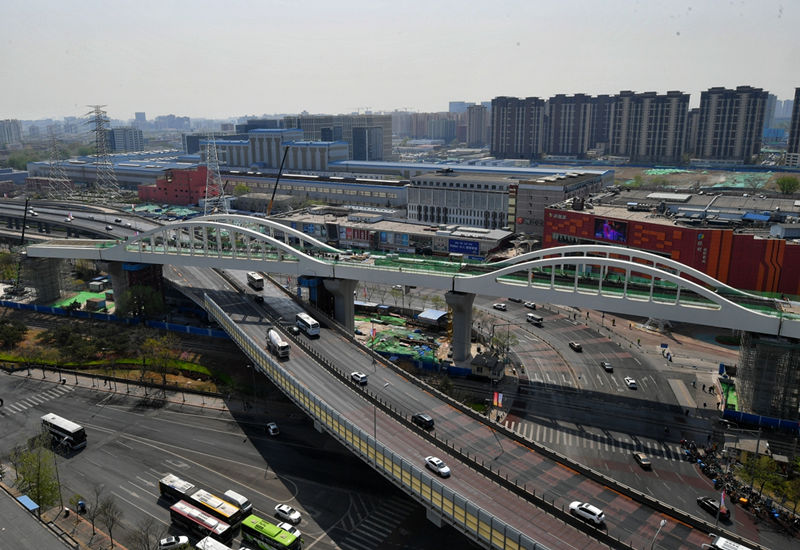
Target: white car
x=501 y=306
x=587 y=511
x=287 y=513
x=173 y=543
x=291 y=528
x=530 y=305
x=437 y=465
x=631 y=383
x=359 y=378
x=272 y=428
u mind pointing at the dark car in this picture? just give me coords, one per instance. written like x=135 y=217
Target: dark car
x=712 y=506
x=424 y=421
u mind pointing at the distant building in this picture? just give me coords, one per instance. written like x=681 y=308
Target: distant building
x=477 y=126
x=180 y=187
x=258 y=124
x=459 y=106
x=730 y=124
x=172 y=122
x=10 y=132
x=367 y=143
x=441 y=128
x=793 y=149
x=769 y=111
x=140 y=120
x=569 y=125
x=340 y=127
x=125 y=140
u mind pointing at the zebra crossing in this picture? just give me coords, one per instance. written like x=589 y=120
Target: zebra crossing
x=368 y=527
x=34 y=400
x=608 y=443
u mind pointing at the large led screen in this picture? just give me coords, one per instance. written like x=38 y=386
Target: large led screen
x=610 y=230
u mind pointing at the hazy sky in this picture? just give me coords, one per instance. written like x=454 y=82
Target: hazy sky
x=229 y=58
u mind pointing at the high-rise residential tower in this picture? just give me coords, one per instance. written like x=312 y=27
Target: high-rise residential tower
x=730 y=124
x=517 y=129
x=793 y=149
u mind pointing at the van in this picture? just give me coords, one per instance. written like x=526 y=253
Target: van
x=423 y=420
x=535 y=319
x=239 y=500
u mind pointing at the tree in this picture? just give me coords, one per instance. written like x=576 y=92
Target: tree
x=396 y=295
x=110 y=515
x=73 y=502
x=141 y=301
x=36 y=474
x=11 y=333
x=95 y=508
x=161 y=351
x=788 y=184
x=240 y=189
x=147 y=534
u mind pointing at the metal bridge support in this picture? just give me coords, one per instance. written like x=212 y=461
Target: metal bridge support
x=343 y=310
x=461 y=304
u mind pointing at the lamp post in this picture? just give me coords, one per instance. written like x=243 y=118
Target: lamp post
x=375 y=419
x=660 y=525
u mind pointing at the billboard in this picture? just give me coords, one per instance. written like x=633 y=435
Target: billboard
x=610 y=230
x=464 y=247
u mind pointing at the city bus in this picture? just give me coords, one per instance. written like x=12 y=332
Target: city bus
x=255 y=280
x=64 y=432
x=307 y=324
x=210 y=544
x=262 y=534
x=198 y=523
x=220 y=509
x=175 y=488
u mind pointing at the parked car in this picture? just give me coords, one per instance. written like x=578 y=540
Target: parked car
x=586 y=511
x=515 y=300
x=643 y=461
x=712 y=506
x=576 y=346
x=608 y=367
x=287 y=513
x=424 y=421
x=272 y=428
x=437 y=465
x=500 y=306
x=359 y=378
x=530 y=305
x=630 y=382
x=173 y=543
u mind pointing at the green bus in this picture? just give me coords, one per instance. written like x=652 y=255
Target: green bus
x=267 y=536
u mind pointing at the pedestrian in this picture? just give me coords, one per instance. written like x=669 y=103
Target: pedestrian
x=694 y=383
x=704 y=387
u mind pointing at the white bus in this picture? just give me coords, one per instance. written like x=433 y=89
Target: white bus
x=64 y=432
x=307 y=324
x=255 y=280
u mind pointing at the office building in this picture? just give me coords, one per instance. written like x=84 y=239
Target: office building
x=125 y=140
x=648 y=127
x=367 y=143
x=10 y=131
x=793 y=148
x=340 y=127
x=477 y=126
x=730 y=124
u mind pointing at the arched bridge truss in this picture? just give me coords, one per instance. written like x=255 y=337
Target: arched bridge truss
x=606 y=278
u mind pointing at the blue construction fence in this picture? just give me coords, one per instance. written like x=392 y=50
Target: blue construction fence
x=77 y=314
x=748 y=419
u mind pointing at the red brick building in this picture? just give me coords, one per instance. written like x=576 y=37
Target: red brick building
x=180 y=187
x=741 y=260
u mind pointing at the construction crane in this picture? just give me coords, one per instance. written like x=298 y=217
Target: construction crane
x=274 y=189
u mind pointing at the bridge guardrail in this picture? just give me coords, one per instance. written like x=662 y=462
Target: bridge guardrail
x=452 y=507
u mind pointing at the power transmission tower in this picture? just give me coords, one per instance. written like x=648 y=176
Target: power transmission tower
x=59 y=185
x=106 y=180
x=215 y=192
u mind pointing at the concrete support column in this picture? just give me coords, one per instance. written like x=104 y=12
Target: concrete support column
x=343 y=310
x=119 y=281
x=461 y=304
x=44 y=274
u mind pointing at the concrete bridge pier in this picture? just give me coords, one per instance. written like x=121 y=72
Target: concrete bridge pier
x=44 y=274
x=461 y=304
x=343 y=309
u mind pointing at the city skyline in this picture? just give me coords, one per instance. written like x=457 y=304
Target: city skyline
x=191 y=59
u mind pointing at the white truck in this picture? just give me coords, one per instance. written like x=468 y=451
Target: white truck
x=277 y=345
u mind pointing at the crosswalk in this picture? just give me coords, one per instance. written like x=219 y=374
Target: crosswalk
x=34 y=400
x=603 y=442
x=369 y=527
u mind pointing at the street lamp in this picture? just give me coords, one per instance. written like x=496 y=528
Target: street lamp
x=375 y=420
x=660 y=525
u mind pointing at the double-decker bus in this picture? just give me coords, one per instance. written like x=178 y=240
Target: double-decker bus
x=268 y=536
x=307 y=324
x=174 y=487
x=64 y=432
x=255 y=280
x=198 y=523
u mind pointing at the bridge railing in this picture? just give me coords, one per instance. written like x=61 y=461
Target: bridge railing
x=452 y=507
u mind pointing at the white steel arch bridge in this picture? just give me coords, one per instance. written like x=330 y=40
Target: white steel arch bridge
x=605 y=278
